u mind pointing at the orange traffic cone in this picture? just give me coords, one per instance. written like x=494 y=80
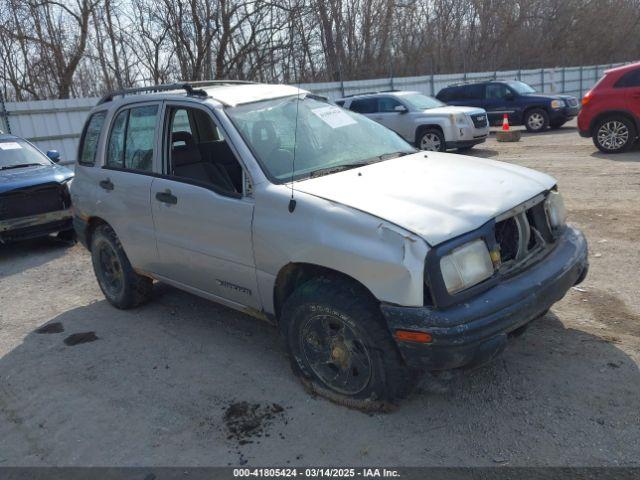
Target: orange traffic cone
x=505 y=122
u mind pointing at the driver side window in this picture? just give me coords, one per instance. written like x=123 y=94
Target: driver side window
x=198 y=153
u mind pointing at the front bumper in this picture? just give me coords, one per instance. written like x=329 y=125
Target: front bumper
x=476 y=331
x=465 y=143
x=564 y=114
x=35 y=225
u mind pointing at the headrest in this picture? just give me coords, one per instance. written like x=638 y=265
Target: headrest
x=181 y=136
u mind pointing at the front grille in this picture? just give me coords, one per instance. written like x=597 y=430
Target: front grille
x=521 y=237
x=33 y=201
x=479 y=120
x=572 y=102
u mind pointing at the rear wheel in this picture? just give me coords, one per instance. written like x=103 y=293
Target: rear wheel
x=432 y=140
x=536 y=120
x=339 y=346
x=121 y=285
x=614 y=134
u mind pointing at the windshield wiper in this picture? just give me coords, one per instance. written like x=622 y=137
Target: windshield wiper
x=347 y=166
x=21 y=165
x=335 y=169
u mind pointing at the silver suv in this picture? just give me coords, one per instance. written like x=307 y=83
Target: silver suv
x=423 y=121
x=375 y=260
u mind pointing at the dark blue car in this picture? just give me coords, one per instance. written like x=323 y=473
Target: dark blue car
x=34 y=192
x=524 y=106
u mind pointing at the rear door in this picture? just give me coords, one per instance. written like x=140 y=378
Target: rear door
x=124 y=181
x=202 y=217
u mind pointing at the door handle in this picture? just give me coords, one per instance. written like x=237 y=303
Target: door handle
x=167 y=197
x=106 y=184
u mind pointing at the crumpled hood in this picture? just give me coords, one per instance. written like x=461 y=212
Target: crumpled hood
x=28 y=176
x=438 y=196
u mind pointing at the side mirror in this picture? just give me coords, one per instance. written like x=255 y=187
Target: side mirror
x=400 y=109
x=509 y=96
x=53 y=155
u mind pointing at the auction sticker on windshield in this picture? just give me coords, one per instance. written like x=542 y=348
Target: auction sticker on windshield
x=10 y=146
x=333 y=116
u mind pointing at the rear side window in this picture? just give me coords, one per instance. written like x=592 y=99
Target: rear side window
x=89 y=141
x=364 y=105
x=132 y=139
x=629 y=79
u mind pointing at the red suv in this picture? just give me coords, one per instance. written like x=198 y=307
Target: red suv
x=611 y=110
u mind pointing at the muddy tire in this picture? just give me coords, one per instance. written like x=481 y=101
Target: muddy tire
x=121 y=285
x=339 y=347
x=536 y=120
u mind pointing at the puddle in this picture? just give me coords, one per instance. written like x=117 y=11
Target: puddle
x=247 y=421
x=55 y=327
x=78 y=338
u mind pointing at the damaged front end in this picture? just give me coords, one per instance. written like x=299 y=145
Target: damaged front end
x=34 y=211
x=536 y=259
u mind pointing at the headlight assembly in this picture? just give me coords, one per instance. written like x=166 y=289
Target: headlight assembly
x=556 y=104
x=556 y=213
x=459 y=119
x=466 y=266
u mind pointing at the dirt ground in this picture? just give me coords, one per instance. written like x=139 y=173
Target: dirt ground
x=182 y=381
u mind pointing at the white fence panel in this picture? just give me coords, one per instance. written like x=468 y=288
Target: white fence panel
x=57 y=124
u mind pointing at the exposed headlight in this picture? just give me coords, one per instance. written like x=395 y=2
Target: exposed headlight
x=558 y=104
x=466 y=266
x=556 y=213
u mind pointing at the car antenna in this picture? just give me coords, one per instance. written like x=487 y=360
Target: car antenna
x=292 y=201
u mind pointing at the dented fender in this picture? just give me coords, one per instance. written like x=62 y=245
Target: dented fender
x=387 y=259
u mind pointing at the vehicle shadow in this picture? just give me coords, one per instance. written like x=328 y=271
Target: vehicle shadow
x=632 y=155
x=30 y=253
x=481 y=152
x=152 y=383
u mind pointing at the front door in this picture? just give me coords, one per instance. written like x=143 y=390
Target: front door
x=202 y=219
x=393 y=119
x=499 y=100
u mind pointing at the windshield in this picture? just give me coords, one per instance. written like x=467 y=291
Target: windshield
x=522 y=88
x=422 y=102
x=327 y=138
x=15 y=153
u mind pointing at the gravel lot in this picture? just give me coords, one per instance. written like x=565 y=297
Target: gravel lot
x=165 y=384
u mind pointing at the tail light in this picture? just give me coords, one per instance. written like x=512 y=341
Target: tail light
x=587 y=98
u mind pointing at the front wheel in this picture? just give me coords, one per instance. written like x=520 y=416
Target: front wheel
x=121 y=285
x=432 y=140
x=614 y=135
x=536 y=120
x=339 y=346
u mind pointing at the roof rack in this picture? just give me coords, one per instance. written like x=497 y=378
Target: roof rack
x=186 y=86
x=472 y=81
x=371 y=93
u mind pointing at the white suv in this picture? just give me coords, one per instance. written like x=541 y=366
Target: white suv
x=374 y=260
x=423 y=121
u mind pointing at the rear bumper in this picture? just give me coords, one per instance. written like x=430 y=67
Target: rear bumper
x=35 y=225
x=476 y=331
x=81 y=228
